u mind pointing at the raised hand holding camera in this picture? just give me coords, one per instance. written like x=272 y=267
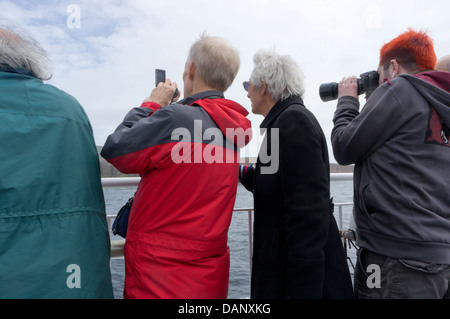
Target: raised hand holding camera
x=367 y=83
x=160 y=76
x=348 y=87
x=164 y=93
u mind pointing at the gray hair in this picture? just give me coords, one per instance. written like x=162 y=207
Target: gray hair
x=18 y=50
x=281 y=74
x=216 y=61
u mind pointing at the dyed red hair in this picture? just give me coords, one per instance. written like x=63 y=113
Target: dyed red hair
x=410 y=48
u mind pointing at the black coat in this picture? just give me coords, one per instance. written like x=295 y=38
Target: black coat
x=297 y=249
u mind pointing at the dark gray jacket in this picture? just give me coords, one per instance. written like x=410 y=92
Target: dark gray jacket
x=400 y=145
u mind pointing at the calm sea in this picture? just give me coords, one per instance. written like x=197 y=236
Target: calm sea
x=238 y=239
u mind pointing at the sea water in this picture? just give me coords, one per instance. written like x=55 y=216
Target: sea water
x=238 y=235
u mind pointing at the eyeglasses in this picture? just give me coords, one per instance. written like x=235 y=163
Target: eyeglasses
x=246 y=85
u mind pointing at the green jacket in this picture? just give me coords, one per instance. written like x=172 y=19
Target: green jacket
x=54 y=241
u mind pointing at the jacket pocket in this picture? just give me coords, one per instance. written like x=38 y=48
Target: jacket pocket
x=366 y=199
x=365 y=208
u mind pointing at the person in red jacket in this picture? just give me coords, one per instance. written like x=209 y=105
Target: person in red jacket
x=187 y=155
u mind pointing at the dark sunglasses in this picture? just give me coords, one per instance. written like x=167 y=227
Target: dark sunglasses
x=246 y=85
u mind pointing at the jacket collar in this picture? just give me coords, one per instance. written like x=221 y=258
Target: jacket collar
x=279 y=107
x=202 y=95
x=7 y=68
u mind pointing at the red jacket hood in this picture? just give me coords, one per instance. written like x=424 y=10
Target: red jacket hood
x=440 y=79
x=438 y=99
x=231 y=119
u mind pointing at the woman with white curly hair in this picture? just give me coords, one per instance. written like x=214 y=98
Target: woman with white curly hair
x=297 y=250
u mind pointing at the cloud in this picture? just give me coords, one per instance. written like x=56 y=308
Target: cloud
x=108 y=63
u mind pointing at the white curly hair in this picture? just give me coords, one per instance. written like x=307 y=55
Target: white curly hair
x=282 y=75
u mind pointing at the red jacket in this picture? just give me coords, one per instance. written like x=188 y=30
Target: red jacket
x=176 y=245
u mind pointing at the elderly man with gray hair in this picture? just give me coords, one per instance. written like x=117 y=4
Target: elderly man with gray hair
x=176 y=242
x=54 y=241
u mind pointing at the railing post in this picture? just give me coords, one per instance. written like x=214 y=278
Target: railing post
x=250 y=240
x=341 y=222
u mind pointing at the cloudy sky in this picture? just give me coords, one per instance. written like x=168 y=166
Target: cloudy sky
x=104 y=52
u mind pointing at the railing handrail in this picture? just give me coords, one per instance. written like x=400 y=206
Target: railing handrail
x=120 y=181
x=134 y=181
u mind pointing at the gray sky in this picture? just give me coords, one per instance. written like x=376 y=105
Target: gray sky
x=104 y=52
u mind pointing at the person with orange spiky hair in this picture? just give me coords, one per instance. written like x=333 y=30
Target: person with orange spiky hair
x=400 y=145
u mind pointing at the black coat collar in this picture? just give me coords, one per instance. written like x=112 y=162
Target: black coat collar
x=279 y=107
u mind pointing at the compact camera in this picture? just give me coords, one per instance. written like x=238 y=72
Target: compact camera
x=367 y=83
x=160 y=76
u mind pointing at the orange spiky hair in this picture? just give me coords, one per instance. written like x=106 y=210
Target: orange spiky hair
x=410 y=48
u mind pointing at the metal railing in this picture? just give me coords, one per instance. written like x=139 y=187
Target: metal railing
x=117 y=245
